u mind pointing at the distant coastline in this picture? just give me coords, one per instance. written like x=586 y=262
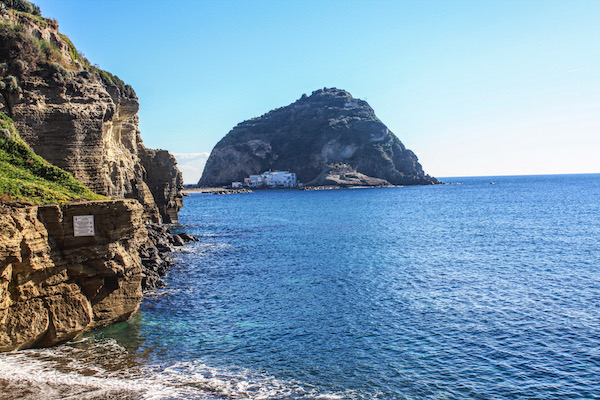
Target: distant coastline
x=220 y=190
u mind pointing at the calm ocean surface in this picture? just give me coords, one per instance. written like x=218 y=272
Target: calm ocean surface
x=464 y=291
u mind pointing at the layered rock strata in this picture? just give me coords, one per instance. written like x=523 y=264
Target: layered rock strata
x=329 y=126
x=165 y=182
x=82 y=119
x=54 y=285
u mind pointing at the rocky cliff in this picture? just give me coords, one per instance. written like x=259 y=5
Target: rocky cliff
x=54 y=285
x=329 y=126
x=80 y=118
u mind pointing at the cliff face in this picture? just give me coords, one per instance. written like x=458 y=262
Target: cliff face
x=54 y=285
x=82 y=119
x=330 y=126
x=164 y=181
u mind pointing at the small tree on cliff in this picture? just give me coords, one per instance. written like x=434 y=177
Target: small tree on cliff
x=10 y=89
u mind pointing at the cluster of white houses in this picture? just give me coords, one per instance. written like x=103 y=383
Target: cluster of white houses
x=269 y=179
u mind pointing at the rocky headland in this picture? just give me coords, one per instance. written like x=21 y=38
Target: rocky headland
x=80 y=118
x=56 y=283
x=329 y=126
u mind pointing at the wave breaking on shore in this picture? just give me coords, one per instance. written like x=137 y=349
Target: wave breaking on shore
x=102 y=369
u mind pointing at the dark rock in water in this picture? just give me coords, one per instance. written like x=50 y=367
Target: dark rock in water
x=155 y=257
x=330 y=126
x=188 y=238
x=176 y=240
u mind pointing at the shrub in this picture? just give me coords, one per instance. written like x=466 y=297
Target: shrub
x=9 y=88
x=110 y=79
x=23 y=6
x=76 y=56
x=50 y=52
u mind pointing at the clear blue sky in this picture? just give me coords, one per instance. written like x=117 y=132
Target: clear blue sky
x=479 y=87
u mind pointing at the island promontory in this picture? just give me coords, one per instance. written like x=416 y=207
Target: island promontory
x=308 y=137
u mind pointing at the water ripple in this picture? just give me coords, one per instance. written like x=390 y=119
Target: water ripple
x=470 y=291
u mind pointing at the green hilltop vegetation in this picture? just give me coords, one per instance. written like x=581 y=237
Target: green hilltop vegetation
x=27 y=178
x=40 y=50
x=22 y=6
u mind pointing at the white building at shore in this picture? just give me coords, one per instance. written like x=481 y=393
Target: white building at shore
x=272 y=179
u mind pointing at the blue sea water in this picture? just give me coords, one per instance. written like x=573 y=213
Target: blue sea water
x=485 y=288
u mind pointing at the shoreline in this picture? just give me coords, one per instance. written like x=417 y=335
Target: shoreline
x=214 y=190
x=221 y=190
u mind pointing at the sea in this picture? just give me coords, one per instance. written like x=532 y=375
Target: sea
x=481 y=288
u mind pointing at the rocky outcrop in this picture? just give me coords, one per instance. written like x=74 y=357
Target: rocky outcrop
x=347 y=179
x=164 y=181
x=54 y=285
x=82 y=119
x=330 y=126
x=155 y=254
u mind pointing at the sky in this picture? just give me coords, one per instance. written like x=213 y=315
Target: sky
x=474 y=88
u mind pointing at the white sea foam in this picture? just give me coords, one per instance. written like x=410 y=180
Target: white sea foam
x=69 y=372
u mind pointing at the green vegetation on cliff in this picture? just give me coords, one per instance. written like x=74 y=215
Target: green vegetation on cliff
x=27 y=177
x=21 y=5
x=18 y=42
x=110 y=79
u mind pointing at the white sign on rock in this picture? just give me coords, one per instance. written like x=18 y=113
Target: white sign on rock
x=83 y=225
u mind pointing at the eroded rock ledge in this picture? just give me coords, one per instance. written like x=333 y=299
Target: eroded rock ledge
x=54 y=285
